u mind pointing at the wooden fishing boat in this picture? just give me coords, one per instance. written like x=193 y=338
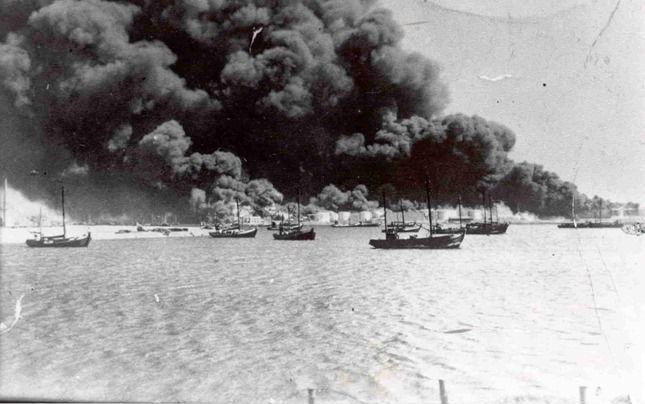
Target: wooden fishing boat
x=487 y=227
x=439 y=229
x=234 y=231
x=359 y=224
x=61 y=240
x=285 y=227
x=296 y=234
x=404 y=227
x=433 y=241
x=588 y=224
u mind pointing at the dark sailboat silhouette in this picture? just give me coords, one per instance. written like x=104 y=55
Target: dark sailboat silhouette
x=61 y=240
x=235 y=231
x=440 y=241
x=297 y=233
x=403 y=226
x=588 y=224
x=487 y=228
x=439 y=229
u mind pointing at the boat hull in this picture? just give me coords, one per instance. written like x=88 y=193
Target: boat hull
x=286 y=227
x=59 y=242
x=296 y=235
x=355 y=225
x=443 y=241
x=448 y=230
x=590 y=225
x=414 y=228
x=486 y=228
x=234 y=233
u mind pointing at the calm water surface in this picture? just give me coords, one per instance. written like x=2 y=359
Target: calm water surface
x=533 y=313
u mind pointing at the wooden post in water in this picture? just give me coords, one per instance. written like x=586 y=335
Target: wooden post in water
x=442 y=392
x=311 y=396
x=583 y=390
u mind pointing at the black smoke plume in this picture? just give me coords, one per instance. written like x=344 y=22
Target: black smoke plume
x=178 y=103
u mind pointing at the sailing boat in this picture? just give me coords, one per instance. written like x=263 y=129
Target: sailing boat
x=236 y=231
x=451 y=230
x=61 y=240
x=490 y=227
x=573 y=224
x=403 y=226
x=392 y=240
x=295 y=233
x=588 y=225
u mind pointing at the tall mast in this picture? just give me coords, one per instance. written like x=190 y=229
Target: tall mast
x=402 y=213
x=428 y=203
x=40 y=219
x=600 y=212
x=484 y=205
x=62 y=198
x=460 y=226
x=4 y=204
x=237 y=205
x=490 y=208
x=298 y=206
x=573 y=210
x=384 y=212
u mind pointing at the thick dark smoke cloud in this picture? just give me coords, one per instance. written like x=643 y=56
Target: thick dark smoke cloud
x=332 y=198
x=528 y=187
x=179 y=103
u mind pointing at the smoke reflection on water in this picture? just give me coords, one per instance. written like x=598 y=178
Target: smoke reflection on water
x=257 y=320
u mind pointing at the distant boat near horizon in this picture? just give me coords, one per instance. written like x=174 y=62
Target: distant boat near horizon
x=588 y=224
x=440 y=241
x=42 y=241
x=297 y=233
x=490 y=227
x=234 y=231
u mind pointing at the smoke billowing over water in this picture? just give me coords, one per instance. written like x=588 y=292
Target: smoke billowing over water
x=161 y=105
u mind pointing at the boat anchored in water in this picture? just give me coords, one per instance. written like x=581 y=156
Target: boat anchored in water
x=487 y=227
x=588 y=224
x=288 y=233
x=61 y=240
x=403 y=226
x=235 y=231
x=433 y=241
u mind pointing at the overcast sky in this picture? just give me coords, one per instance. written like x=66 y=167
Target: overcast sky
x=568 y=76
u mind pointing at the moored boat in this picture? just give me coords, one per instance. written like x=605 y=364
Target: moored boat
x=588 y=224
x=297 y=233
x=234 y=231
x=404 y=227
x=61 y=240
x=489 y=227
x=433 y=241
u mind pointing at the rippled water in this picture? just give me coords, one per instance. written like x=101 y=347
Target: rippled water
x=533 y=313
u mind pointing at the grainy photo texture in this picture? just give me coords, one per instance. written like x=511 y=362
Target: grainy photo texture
x=322 y=201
